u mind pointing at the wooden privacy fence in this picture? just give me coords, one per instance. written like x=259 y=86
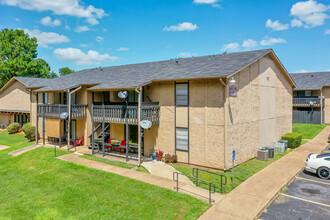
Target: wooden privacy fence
x=306 y=117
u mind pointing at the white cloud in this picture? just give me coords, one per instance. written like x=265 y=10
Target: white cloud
x=45 y=38
x=187 y=54
x=249 y=43
x=301 y=71
x=185 y=26
x=123 y=49
x=61 y=7
x=310 y=13
x=78 y=57
x=276 y=25
x=99 y=39
x=67 y=27
x=84 y=45
x=296 y=23
x=205 y=1
x=230 y=47
x=17 y=20
x=327 y=32
x=270 y=41
x=81 y=28
x=48 y=21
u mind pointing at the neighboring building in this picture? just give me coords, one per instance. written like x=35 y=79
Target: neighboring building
x=15 y=101
x=194 y=113
x=311 y=98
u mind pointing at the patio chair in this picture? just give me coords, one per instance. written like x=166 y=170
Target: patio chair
x=108 y=146
x=122 y=145
x=78 y=141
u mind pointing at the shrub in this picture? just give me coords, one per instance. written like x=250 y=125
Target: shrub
x=174 y=158
x=13 y=128
x=30 y=133
x=294 y=139
x=168 y=158
x=159 y=155
x=25 y=127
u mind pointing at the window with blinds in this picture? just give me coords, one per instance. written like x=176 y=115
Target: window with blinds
x=181 y=139
x=181 y=94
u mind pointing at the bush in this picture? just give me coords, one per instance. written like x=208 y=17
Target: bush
x=174 y=158
x=159 y=155
x=25 y=127
x=13 y=128
x=30 y=133
x=294 y=139
x=170 y=159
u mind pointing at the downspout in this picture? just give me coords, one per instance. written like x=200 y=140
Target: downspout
x=225 y=86
x=138 y=91
x=69 y=111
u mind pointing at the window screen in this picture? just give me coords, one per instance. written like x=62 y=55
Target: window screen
x=181 y=139
x=308 y=93
x=181 y=94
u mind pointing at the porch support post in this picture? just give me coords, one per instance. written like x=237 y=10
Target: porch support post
x=69 y=117
x=37 y=122
x=92 y=109
x=43 y=124
x=126 y=123
x=139 y=91
x=103 y=116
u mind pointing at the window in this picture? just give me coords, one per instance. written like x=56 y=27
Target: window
x=308 y=93
x=45 y=98
x=133 y=97
x=181 y=139
x=181 y=94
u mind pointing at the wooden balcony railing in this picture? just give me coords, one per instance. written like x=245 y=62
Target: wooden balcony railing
x=116 y=114
x=54 y=110
x=306 y=102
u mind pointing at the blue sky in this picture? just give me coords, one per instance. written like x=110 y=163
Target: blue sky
x=85 y=34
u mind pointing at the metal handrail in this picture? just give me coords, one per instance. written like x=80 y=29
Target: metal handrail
x=210 y=183
x=195 y=174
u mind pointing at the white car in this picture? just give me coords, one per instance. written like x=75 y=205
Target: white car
x=319 y=164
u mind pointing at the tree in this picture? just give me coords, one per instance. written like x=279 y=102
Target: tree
x=18 y=53
x=53 y=75
x=65 y=71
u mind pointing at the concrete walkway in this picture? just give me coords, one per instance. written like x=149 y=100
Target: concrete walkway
x=252 y=196
x=3 y=147
x=23 y=150
x=144 y=177
x=159 y=168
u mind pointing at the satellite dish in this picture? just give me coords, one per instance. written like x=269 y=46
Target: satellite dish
x=123 y=94
x=64 y=115
x=146 y=124
x=311 y=102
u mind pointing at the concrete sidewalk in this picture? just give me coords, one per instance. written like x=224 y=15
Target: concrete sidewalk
x=252 y=196
x=23 y=150
x=3 y=147
x=143 y=177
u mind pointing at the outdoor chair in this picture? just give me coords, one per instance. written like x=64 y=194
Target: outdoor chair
x=122 y=145
x=78 y=141
x=109 y=146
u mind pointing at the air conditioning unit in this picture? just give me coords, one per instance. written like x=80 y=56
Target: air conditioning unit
x=279 y=147
x=262 y=154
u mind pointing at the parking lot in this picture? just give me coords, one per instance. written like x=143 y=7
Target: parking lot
x=307 y=197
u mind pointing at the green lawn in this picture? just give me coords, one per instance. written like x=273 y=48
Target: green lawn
x=308 y=131
x=115 y=163
x=242 y=172
x=35 y=185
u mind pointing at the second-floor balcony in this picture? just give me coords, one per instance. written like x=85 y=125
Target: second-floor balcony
x=306 y=102
x=54 y=110
x=116 y=113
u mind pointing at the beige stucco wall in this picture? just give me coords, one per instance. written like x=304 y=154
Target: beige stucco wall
x=261 y=113
x=6 y=118
x=326 y=94
x=15 y=97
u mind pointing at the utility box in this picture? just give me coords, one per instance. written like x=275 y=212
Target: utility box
x=270 y=151
x=262 y=154
x=279 y=147
x=285 y=142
